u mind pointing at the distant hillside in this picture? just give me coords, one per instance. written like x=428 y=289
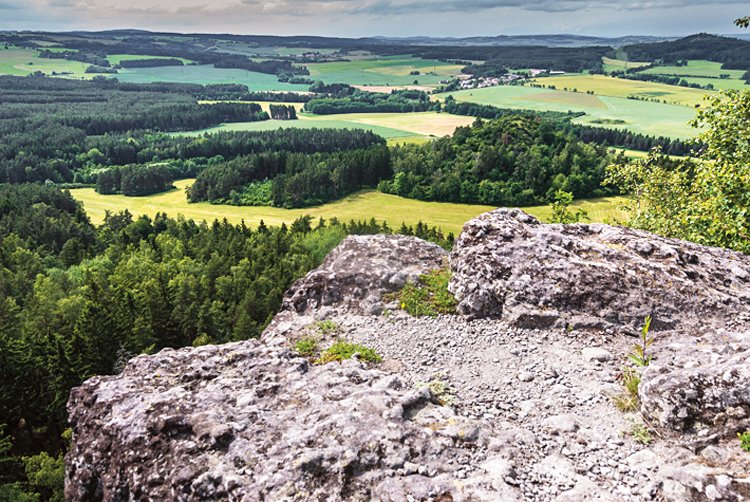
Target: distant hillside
x=529 y=40
x=733 y=52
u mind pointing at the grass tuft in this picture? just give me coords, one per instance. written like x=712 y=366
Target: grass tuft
x=429 y=296
x=342 y=350
x=744 y=440
x=307 y=346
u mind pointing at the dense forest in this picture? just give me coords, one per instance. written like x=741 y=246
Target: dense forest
x=733 y=52
x=135 y=180
x=78 y=300
x=517 y=160
x=397 y=101
x=292 y=180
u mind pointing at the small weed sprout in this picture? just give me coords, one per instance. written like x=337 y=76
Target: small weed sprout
x=744 y=438
x=342 y=350
x=445 y=394
x=640 y=356
x=307 y=346
x=327 y=327
x=640 y=433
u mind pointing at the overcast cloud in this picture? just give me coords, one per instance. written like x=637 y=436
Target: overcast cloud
x=381 y=17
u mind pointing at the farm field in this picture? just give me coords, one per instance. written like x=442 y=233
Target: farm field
x=610 y=64
x=638 y=116
x=694 y=68
x=207 y=74
x=388 y=125
x=622 y=88
x=22 y=62
x=384 y=71
x=718 y=83
x=115 y=59
x=361 y=205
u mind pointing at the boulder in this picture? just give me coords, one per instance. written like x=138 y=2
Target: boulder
x=360 y=270
x=507 y=264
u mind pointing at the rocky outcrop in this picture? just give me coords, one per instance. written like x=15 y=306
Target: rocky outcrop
x=248 y=422
x=513 y=403
x=360 y=270
x=508 y=264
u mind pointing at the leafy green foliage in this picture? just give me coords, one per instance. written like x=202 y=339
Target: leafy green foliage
x=561 y=212
x=402 y=101
x=46 y=475
x=342 y=350
x=744 y=438
x=706 y=200
x=429 y=296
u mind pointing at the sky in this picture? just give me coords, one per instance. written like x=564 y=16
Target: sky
x=355 y=18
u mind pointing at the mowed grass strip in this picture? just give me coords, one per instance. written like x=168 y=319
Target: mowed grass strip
x=362 y=205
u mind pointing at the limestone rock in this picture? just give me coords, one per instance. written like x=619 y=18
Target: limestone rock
x=702 y=383
x=507 y=264
x=358 y=271
x=245 y=421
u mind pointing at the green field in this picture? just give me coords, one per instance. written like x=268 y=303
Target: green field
x=638 y=116
x=362 y=205
x=610 y=65
x=694 y=68
x=401 y=126
x=115 y=59
x=622 y=88
x=387 y=71
x=207 y=74
x=22 y=62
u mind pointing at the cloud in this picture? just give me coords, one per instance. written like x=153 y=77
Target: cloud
x=9 y=6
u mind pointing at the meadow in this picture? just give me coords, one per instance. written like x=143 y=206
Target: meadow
x=385 y=71
x=412 y=127
x=703 y=73
x=21 y=62
x=622 y=88
x=615 y=112
x=610 y=64
x=115 y=59
x=362 y=205
x=207 y=74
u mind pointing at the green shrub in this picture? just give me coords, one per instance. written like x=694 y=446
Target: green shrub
x=429 y=296
x=342 y=350
x=744 y=441
x=307 y=346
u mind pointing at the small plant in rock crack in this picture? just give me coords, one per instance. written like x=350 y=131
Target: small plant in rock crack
x=443 y=392
x=628 y=400
x=429 y=296
x=327 y=327
x=640 y=356
x=640 y=433
x=744 y=438
x=307 y=346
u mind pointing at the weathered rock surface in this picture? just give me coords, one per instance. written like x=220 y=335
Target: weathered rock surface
x=520 y=406
x=508 y=264
x=355 y=275
x=247 y=422
x=701 y=386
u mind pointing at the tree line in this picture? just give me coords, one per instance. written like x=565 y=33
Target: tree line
x=398 y=101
